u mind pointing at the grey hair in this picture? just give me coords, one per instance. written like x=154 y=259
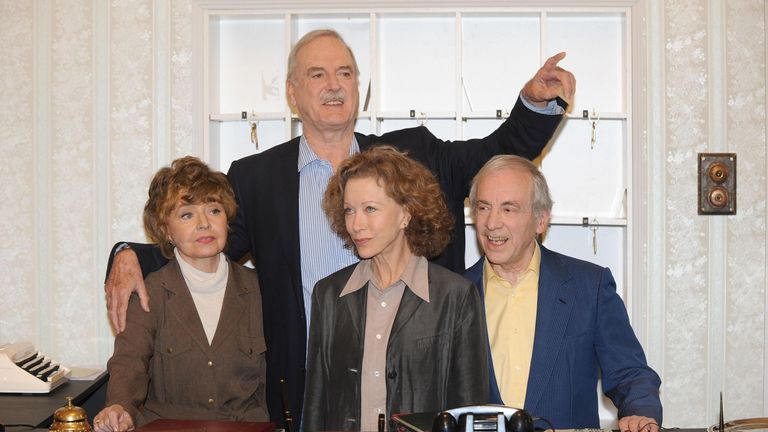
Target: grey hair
x=309 y=37
x=542 y=201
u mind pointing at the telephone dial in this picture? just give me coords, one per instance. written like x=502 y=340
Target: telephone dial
x=497 y=418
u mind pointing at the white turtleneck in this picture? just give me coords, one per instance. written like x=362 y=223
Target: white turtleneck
x=207 y=291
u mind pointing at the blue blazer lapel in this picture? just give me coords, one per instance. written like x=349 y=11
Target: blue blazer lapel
x=553 y=312
x=475 y=275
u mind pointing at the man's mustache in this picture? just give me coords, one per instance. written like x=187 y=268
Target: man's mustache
x=333 y=96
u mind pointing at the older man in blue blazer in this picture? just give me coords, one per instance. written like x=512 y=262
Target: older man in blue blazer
x=554 y=322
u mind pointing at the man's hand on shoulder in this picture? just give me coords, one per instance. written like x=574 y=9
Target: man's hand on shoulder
x=124 y=278
x=638 y=424
x=551 y=81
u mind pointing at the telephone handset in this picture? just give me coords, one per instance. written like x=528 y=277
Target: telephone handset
x=483 y=417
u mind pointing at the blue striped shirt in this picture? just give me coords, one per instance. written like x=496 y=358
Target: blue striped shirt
x=322 y=251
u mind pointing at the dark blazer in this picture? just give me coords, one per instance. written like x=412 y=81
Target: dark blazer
x=163 y=366
x=582 y=327
x=436 y=353
x=266 y=186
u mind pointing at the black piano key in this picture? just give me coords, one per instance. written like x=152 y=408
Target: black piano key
x=33 y=363
x=26 y=359
x=49 y=372
x=37 y=369
x=40 y=374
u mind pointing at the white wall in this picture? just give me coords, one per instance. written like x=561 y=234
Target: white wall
x=94 y=97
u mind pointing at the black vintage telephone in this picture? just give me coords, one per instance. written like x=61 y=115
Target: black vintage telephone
x=485 y=418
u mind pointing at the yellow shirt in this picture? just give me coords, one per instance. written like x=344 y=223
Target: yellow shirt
x=511 y=314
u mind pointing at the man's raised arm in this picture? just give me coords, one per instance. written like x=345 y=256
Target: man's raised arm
x=128 y=264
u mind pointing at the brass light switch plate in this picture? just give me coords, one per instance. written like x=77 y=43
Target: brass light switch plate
x=717 y=183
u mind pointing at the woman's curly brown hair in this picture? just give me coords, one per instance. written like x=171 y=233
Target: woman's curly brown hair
x=407 y=182
x=190 y=181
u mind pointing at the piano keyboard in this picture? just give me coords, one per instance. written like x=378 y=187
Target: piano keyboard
x=23 y=369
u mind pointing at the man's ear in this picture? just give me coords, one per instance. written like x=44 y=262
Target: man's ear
x=290 y=94
x=543 y=223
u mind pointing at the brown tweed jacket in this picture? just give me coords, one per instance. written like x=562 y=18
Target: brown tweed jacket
x=163 y=366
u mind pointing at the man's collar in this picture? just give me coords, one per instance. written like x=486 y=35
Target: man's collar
x=533 y=266
x=307 y=155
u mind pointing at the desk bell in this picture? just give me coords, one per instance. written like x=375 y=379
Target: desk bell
x=70 y=418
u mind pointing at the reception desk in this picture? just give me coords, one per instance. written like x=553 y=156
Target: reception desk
x=165 y=425
x=37 y=409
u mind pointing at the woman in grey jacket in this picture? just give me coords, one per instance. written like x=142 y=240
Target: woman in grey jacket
x=393 y=333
